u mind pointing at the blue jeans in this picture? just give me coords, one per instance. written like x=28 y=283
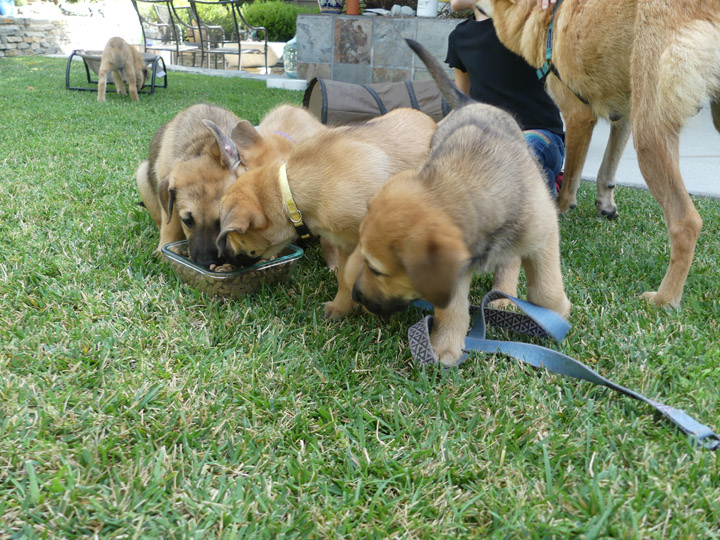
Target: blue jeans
x=549 y=150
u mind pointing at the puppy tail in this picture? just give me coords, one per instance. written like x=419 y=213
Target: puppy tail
x=454 y=96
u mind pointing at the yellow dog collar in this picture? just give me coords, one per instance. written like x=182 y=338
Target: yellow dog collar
x=295 y=214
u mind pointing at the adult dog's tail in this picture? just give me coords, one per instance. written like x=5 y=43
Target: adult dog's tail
x=454 y=96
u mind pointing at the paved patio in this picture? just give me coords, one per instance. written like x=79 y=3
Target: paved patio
x=699 y=156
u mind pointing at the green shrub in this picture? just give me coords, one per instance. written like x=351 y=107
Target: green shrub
x=216 y=15
x=276 y=16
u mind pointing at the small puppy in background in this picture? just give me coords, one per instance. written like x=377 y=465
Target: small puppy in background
x=197 y=155
x=127 y=66
x=478 y=203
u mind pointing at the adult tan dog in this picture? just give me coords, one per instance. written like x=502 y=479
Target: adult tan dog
x=331 y=178
x=645 y=65
x=197 y=155
x=127 y=67
x=478 y=203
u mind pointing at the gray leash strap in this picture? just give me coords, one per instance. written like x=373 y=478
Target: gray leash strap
x=542 y=322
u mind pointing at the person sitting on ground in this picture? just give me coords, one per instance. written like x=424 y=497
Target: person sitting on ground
x=490 y=73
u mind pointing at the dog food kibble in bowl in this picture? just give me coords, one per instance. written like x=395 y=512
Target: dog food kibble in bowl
x=229 y=280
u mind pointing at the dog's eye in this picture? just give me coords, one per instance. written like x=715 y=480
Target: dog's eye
x=375 y=272
x=188 y=220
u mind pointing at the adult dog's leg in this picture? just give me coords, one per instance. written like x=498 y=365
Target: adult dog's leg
x=619 y=135
x=668 y=84
x=579 y=124
x=657 y=149
x=715 y=109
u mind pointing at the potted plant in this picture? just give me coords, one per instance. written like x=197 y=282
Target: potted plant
x=331 y=6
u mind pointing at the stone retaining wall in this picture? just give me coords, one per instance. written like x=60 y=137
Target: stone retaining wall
x=20 y=36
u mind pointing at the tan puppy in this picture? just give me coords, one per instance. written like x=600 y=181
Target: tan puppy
x=197 y=155
x=644 y=65
x=477 y=203
x=127 y=66
x=331 y=176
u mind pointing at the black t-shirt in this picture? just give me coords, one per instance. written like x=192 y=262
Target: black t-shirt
x=501 y=78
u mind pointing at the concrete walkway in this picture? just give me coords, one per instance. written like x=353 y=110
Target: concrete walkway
x=699 y=157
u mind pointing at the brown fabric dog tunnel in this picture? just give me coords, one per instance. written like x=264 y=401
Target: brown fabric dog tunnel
x=337 y=103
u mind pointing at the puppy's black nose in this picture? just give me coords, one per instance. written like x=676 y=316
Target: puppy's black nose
x=207 y=261
x=203 y=249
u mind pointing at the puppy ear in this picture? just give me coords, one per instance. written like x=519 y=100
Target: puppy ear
x=237 y=221
x=241 y=219
x=245 y=137
x=221 y=243
x=229 y=156
x=434 y=262
x=244 y=134
x=167 y=197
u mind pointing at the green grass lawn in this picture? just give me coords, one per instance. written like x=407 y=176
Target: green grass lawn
x=132 y=406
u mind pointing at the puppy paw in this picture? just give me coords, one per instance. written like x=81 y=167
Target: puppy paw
x=448 y=349
x=659 y=300
x=503 y=303
x=336 y=311
x=448 y=357
x=561 y=306
x=565 y=203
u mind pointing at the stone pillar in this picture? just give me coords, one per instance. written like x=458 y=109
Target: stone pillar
x=365 y=49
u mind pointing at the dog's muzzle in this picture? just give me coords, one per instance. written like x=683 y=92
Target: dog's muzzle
x=236 y=259
x=382 y=309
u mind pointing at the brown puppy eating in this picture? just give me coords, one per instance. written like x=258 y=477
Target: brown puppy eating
x=126 y=65
x=329 y=178
x=646 y=66
x=477 y=203
x=196 y=156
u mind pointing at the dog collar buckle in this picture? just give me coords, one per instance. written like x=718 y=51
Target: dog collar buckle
x=295 y=216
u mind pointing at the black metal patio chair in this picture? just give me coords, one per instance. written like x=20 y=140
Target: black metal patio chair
x=164 y=30
x=230 y=42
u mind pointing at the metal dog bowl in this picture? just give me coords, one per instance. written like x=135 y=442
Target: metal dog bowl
x=231 y=284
